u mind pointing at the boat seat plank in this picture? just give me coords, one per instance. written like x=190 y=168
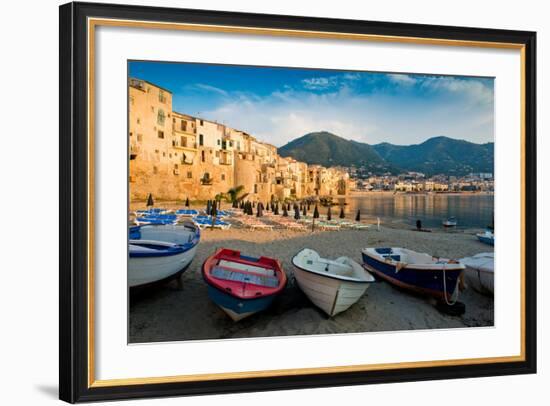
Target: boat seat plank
x=236 y=276
x=247 y=267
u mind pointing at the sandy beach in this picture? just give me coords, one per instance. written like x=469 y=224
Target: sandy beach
x=173 y=312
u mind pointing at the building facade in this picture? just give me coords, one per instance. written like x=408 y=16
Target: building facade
x=175 y=156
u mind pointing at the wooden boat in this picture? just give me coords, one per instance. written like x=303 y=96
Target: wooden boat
x=159 y=253
x=480 y=272
x=419 y=272
x=332 y=285
x=450 y=222
x=488 y=237
x=242 y=285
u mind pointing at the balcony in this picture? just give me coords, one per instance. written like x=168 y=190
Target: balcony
x=134 y=151
x=186 y=130
x=191 y=146
x=207 y=181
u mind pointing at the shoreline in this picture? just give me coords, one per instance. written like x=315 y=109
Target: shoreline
x=166 y=313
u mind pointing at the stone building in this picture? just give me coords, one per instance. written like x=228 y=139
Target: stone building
x=175 y=156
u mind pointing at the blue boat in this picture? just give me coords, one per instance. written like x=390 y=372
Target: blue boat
x=418 y=272
x=242 y=285
x=159 y=253
x=488 y=237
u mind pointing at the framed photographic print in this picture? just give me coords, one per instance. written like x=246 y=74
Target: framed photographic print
x=257 y=202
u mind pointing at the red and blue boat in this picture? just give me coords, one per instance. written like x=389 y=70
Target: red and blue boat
x=418 y=272
x=242 y=285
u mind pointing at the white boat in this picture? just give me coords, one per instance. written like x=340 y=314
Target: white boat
x=450 y=222
x=332 y=285
x=159 y=253
x=480 y=272
x=487 y=237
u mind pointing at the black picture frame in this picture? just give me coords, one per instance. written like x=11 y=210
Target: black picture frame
x=74 y=382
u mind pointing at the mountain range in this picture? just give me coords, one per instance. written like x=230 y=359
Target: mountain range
x=437 y=155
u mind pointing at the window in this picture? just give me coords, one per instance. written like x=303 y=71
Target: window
x=155 y=170
x=164 y=154
x=217 y=154
x=138 y=120
x=231 y=144
x=130 y=133
x=202 y=122
x=239 y=145
x=183 y=141
x=223 y=176
x=183 y=125
x=219 y=142
x=201 y=139
x=202 y=156
x=140 y=137
x=189 y=175
x=162 y=98
x=161 y=134
x=175 y=166
x=160 y=117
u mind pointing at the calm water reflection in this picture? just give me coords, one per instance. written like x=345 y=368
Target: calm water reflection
x=471 y=210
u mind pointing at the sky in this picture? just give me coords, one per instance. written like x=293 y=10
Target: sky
x=277 y=105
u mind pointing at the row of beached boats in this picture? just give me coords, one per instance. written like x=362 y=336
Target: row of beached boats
x=242 y=285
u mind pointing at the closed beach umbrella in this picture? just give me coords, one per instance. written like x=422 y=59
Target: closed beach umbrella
x=208 y=206
x=276 y=210
x=259 y=212
x=150 y=201
x=305 y=211
x=285 y=211
x=214 y=213
x=329 y=214
x=296 y=213
x=187 y=202
x=267 y=206
x=316 y=212
x=288 y=206
x=358 y=216
x=342 y=214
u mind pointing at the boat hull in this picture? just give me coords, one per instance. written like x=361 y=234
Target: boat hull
x=242 y=285
x=424 y=281
x=147 y=270
x=331 y=295
x=480 y=280
x=238 y=308
x=486 y=240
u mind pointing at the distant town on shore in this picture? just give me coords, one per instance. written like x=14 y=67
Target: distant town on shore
x=176 y=156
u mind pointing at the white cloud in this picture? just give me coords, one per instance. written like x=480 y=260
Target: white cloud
x=402 y=79
x=209 y=88
x=458 y=108
x=476 y=91
x=319 y=83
